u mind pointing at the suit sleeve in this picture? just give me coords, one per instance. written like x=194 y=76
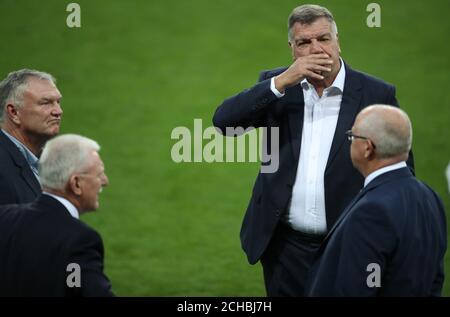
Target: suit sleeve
x=367 y=240
x=246 y=109
x=438 y=281
x=88 y=253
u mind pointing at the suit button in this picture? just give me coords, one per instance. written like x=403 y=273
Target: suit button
x=277 y=212
x=255 y=107
x=264 y=101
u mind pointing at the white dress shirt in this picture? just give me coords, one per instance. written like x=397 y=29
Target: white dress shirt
x=69 y=206
x=307 y=208
x=383 y=170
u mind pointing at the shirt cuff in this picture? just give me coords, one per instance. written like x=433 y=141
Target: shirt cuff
x=274 y=90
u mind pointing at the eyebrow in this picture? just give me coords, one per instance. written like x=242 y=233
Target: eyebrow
x=50 y=98
x=304 y=39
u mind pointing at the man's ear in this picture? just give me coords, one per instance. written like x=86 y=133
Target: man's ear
x=74 y=185
x=12 y=113
x=337 y=40
x=369 y=151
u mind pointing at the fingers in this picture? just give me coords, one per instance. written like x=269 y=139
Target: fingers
x=319 y=68
x=312 y=66
x=314 y=75
x=316 y=59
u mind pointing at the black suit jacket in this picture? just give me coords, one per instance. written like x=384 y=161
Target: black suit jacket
x=259 y=107
x=396 y=222
x=17 y=181
x=37 y=243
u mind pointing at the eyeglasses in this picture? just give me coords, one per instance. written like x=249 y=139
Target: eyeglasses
x=351 y=137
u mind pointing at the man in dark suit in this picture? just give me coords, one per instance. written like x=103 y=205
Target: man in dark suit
x=30 y=114
x=391 y=239
x=312 y=103
x=45 y=250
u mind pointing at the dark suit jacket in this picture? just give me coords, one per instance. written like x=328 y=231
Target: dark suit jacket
x=259 y=107
x=396 y=222
x=17 y=181
x=38 y=241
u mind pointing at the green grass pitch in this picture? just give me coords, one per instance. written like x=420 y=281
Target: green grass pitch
x=137 y=69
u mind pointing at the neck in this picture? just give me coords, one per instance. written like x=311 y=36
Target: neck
x=376 y=164
x=32 y=142
x=65 y=195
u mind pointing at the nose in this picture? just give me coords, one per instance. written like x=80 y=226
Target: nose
x=57 y=110
x=105 y=180
x=316 y=48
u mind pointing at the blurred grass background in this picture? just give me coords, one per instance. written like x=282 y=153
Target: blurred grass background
x=137 y=69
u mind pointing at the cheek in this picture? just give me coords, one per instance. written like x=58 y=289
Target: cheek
x=354 y=152
x=335 y=49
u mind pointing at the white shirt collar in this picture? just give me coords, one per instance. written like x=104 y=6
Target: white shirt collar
x=69 y=206
x=338 y=82
x=383 y=170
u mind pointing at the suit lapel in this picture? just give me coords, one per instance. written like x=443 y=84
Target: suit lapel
x=350 y=107
x=295 y=105
x=31 y=179
x=20 y=161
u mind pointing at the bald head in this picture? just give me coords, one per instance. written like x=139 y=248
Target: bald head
x=388 y=127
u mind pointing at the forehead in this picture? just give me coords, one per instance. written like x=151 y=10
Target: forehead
x=307 y=31
x=96 y=160
x=42 y=88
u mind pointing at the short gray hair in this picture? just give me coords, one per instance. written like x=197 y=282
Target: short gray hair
x=63 y=156
x=391 y=137
x=308 y=14
x=15 y=84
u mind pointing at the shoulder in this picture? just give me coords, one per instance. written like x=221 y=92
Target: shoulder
x=84 y=235
x=367 y=79
x=265 y=74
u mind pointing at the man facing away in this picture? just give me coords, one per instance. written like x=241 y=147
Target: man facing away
x=391 y=239
x=312 y=103
x=45 y=250
x=30 y=114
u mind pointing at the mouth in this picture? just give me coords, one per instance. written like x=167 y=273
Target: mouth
x=55 y=121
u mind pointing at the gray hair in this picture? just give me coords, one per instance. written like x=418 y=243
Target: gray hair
x=308 y=14
x=15 y=84
x=63 y=156
x=389 y=128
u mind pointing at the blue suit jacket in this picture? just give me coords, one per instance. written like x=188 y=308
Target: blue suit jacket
x=17 y=181
x=395 y=222
x=259 y=107
x=37 y=243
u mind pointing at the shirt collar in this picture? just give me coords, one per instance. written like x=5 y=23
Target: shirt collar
x=29 y=156
x=338 y=82
x=383 y=170
x=69 y=206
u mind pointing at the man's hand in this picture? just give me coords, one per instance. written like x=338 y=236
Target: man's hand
x=311 y=66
